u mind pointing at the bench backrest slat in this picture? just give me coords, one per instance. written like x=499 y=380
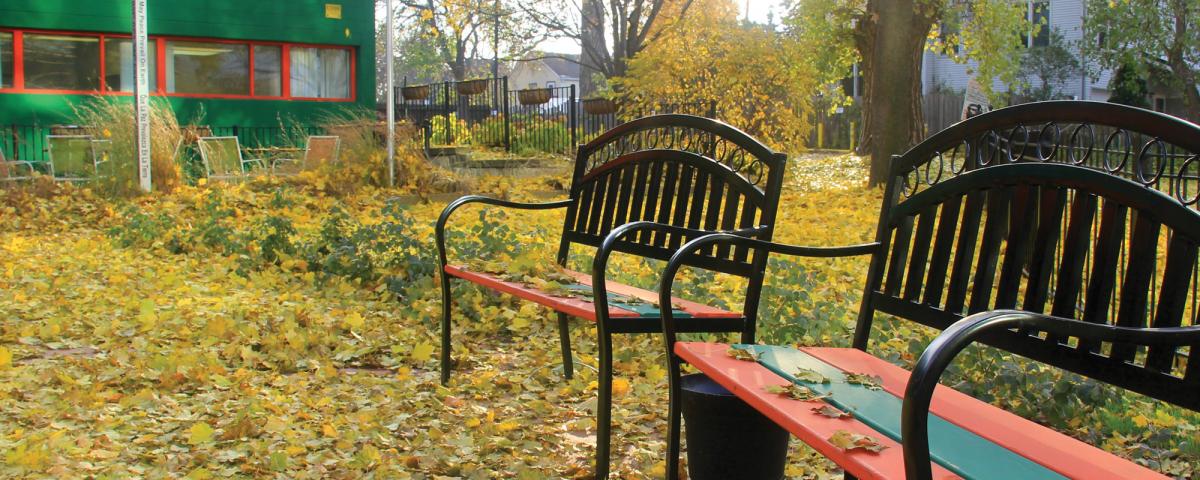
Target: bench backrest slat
x=678 y=170
x=1076 y=209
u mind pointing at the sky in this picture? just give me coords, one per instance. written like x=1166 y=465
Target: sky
x=758 y=11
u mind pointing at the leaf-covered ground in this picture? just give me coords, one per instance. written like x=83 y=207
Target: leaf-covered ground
x=266 y=330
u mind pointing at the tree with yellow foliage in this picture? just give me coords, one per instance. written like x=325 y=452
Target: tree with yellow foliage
x=750 y=71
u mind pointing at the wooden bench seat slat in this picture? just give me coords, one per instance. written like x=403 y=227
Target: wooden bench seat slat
x=578 y=307
x=748 y=380
x=961 y=451
x=1059 y=453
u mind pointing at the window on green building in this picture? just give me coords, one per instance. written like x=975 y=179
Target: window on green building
x=6 y=60
x=62 y=62
x=119 y=73
x=268 y=71
x=320 y=72
x=208 y=68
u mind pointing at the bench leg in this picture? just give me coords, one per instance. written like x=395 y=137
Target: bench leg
x=564 y=340
x=446 y=303
x=604 y=407
x=674 y=417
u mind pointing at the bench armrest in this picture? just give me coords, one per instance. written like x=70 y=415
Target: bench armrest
x=673 y=266
x=600 y=261
x=914 y=417
x=440 y=228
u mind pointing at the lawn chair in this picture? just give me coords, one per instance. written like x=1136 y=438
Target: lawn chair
x=75 y=158
x=320 y=149
x=223 y=158
x=10 y=170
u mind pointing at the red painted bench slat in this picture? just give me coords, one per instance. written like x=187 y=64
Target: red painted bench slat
x=1047 y=447
x=581 y=308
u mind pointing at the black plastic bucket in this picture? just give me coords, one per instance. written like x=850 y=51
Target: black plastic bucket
x=727 y=439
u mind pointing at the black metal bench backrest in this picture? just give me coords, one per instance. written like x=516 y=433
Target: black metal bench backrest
x=1080 y=210
x=679 y=170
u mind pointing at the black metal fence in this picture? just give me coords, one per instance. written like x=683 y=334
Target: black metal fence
x=28 y=142
x=487 y=113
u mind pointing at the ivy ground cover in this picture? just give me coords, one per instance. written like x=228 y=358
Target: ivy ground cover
x=268 y=330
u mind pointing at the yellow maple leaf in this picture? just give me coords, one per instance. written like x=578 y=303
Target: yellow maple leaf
x=620 y=387
x=5 y=358
x=200 y=433
x=353 y=321
x=422 y=352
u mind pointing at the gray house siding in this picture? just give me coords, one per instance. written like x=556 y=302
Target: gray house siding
x=942 y=72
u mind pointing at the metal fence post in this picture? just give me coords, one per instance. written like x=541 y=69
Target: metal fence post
x=446 y=113
x=712 y=109
x=507 y=117
x=574 y=124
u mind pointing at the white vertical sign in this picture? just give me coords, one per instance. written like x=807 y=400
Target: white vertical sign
x=391 y=98
x=141 y=93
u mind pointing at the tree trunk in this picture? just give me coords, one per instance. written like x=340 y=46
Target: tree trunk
x=592 y=40
x=893 y=105
x=1184 y=73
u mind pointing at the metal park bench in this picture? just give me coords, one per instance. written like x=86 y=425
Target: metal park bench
x=645 y=188
x=1080 y=214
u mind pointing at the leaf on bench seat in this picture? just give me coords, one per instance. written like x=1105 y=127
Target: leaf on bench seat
x=797 y=392
x=872 y=382
x=810 y=376
x=742 y=354
x=830 y=411
x=847 y=440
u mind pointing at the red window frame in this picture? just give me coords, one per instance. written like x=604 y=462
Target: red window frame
x=160 y=73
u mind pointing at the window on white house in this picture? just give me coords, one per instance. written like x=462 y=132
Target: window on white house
x=1039 y=17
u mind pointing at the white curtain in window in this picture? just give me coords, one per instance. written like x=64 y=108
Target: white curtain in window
x=320 y=72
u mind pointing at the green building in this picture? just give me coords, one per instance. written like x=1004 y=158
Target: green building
x=243 y=63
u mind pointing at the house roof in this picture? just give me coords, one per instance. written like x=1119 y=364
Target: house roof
x=563 y=65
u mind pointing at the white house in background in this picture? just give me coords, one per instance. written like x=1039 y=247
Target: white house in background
x=545 y=71
x=940 y=71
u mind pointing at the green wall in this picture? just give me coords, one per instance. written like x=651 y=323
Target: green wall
x=268 y=20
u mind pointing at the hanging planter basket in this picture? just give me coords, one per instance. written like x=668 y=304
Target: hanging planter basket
x=471 y=87
x=599 y=106
x=534 y=96
x=415 y=92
